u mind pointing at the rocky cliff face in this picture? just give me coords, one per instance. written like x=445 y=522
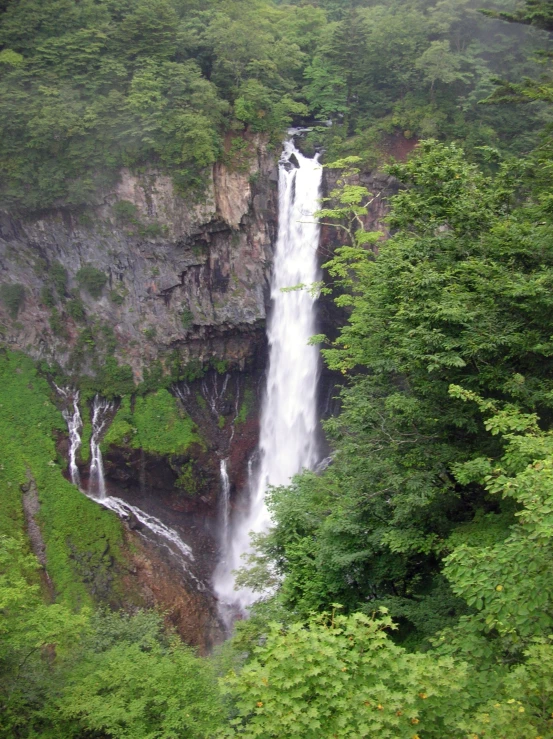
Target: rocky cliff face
x=181 y=275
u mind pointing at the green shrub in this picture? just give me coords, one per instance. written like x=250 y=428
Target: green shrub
x=47 y=297
x=57 y=324
x=153 y=229
x=75 y=309
x=187 y=318
x=58 y=275
x=246 y=406
x=156 y=425
x=220 y=366
x=188 y=479
x=109 y=339
x=121 y=431
x=13 y=297
x=114 y=380
x=125 y=211
x=116 y=297
x=92 y=280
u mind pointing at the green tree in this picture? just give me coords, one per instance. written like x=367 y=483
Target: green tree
x=135 y=691
x=342 y=676
x=33 y=637
x=460 y=294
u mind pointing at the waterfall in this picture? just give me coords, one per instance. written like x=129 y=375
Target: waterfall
x=224 y=508
x=74 y=425
x=165 y=535
x=213 y=394
x=288 y=435
x=97 y=482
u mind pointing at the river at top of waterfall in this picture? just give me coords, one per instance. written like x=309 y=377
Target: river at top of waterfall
x=289 y=424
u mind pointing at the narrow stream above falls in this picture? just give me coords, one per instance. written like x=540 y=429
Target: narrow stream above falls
x=288 y=440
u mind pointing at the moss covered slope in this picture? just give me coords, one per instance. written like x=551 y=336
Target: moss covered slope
x=83 y=541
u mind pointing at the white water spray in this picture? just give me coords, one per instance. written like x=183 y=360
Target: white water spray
x=74 y=426
x=288 y=437
x=97 y=481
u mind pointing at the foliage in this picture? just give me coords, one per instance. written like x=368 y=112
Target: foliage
x=47 y=297
x=159 y=85
x=153 y=691
x=246 y=406
x=57 y=324
x=536 y=13
x=75 y=308
x=58 y=274
x=155 y=424
x=343 y=676
x=13 y=297
x=29 y=627
x=507 y=581
x=125 y=211
x=187 y=318
x=92 y=280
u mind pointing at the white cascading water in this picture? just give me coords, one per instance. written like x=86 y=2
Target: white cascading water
x=224 y=507
x=74 y=425
x=288 y=436
x=97 y=480
x=97 y=483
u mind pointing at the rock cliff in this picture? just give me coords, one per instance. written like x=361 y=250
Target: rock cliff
x=162 y=271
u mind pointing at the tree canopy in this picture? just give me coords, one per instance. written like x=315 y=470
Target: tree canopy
x=87 y=88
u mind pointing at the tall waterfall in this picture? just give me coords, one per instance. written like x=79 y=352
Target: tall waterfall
x=288 y=436
x=224 y=509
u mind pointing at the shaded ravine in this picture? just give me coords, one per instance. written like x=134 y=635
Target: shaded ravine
x=289 y=424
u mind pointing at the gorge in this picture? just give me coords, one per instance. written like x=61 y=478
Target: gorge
x=289 y=425
x=276 y=369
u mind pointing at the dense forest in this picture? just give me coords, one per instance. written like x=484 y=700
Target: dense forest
x=406 y=591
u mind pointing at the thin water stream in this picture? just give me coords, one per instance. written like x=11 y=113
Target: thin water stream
x=72 y=418
x=97 y=480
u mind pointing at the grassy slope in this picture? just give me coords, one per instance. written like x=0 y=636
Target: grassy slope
x=156 y=425
x=82 y=539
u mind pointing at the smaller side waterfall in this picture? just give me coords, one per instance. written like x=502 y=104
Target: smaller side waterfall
x=212 y=393
x=181 y=391
x=164 y=535
x=224 y=510
x=97 y=482
x=74 y=426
